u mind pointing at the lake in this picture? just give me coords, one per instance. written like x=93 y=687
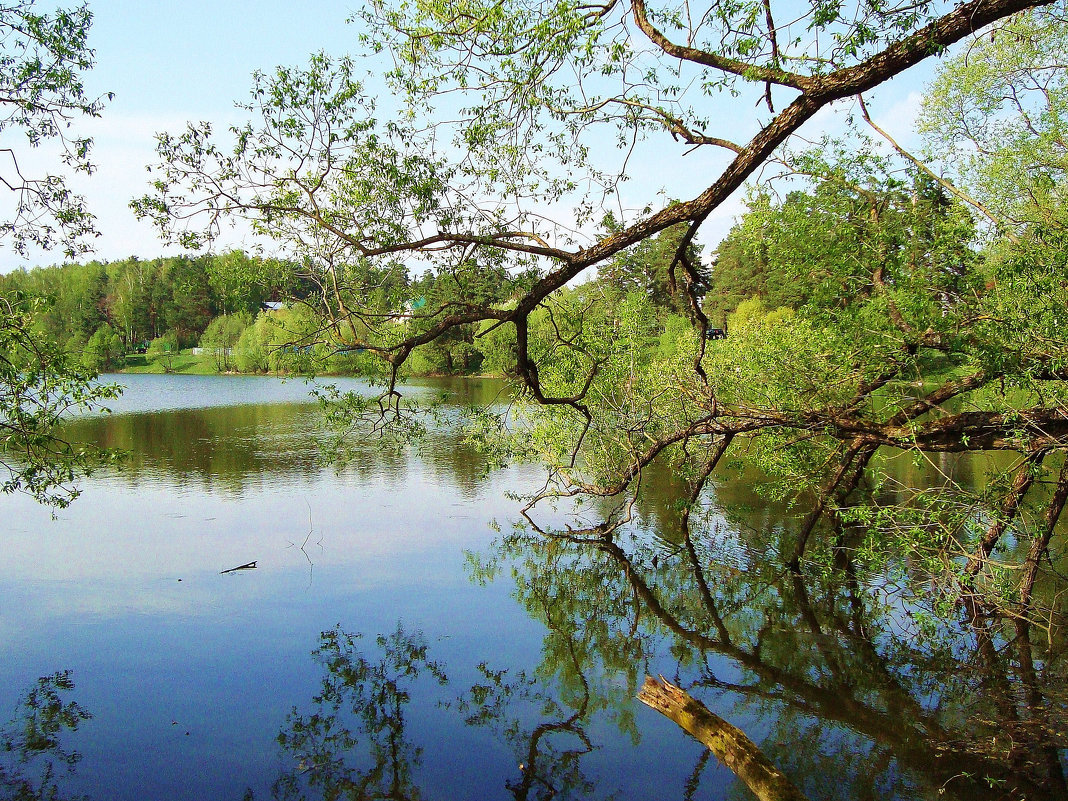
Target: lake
x=398 y=637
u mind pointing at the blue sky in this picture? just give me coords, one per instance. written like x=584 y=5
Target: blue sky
x=194 y=57
x=168 y=63
x=171 y=62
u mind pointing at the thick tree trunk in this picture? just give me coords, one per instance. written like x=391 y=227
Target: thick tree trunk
x=727 y=742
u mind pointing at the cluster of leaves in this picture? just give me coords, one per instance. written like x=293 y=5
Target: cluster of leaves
x=819 y=246
x=39 y=386
x=995 y=116
x=42 y=58
x=41 y=92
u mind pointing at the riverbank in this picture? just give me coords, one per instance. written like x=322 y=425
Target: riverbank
x=188 y=363
x=182 y=363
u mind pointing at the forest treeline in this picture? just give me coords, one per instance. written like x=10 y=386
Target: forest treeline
x=256 y=315
x=247 y=313
x=100 y=311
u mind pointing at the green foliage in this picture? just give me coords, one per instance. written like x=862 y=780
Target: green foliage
x=221 y=336
x=40 y=385
x=374 y=176
x=649 y=268
x=497 y=344
x=104 y=350
x=591 y=328
x=163 y=349
x=290 y=338
x=42 y=92
x=186 y=300
x=249 y=353
x=242 y=283
x=678 y=340
x=470 y=284
x=142 y=299
x=996 y=115
x=1021 y=319
x=283 y=341
x=446 y=357
x=858 y=225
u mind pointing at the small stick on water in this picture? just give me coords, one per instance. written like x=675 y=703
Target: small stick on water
x=249 y=566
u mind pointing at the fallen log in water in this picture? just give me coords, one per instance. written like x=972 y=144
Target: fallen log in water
x=727 y=742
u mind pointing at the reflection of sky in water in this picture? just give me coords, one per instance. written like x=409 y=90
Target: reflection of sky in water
x=150 y=393
x=226 y=656
x=124 y=589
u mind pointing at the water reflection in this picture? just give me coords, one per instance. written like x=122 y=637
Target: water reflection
x=35 y=760
x=824 y=672
x=223 y=447
x=849 y=681
x=234 y=449
x=846 y=682
x=356 y=744
x=549 y=746
x=841 y=674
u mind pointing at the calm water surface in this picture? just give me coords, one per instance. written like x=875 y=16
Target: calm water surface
x=393 y=642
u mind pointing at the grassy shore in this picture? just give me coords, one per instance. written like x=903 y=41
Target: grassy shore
x=185 y=363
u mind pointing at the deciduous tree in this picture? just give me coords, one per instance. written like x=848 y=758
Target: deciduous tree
x=505 y=113
x=41 y=62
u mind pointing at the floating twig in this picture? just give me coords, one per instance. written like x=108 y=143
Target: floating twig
x=249 y=566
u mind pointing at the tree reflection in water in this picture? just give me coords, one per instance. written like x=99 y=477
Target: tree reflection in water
x=857 y=681
x=550 y=752
x=355 y=745
x=33 y=755
x=852 y=682
x=860 y=696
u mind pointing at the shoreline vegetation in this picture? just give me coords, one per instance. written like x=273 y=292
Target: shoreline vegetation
x=188 y=363
x=236 y=313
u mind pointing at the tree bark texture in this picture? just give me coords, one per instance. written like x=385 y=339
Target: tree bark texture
x=727 y=742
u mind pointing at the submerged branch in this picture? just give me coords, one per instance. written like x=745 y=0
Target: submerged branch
x=1010 y=508
x=1041 y=542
